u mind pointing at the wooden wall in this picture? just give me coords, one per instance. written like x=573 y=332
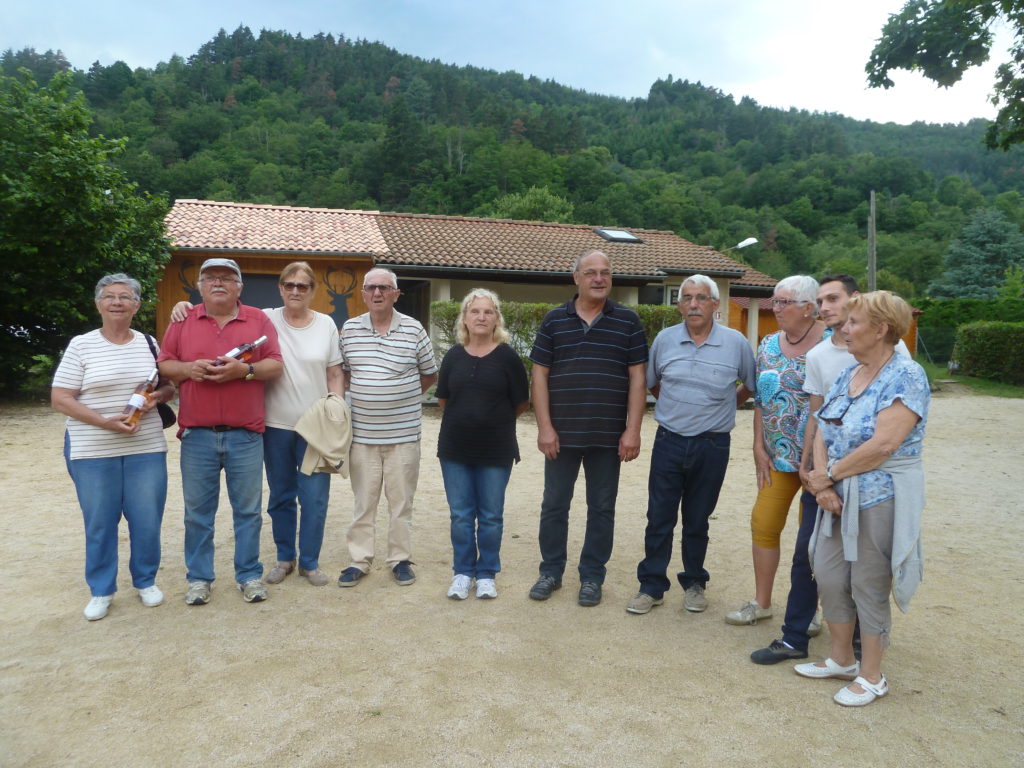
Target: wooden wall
x=337 y=293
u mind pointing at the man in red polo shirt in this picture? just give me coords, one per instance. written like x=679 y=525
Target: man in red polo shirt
x=221 y=424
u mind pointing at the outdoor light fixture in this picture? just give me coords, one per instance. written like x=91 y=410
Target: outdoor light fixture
x=742 y=244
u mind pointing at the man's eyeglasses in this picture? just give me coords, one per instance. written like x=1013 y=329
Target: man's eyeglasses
x=590 y=274
x=123 y=297
x=300 y=287
x=224 y=280
x=785 y=302
x=371 y=289
x=699 y=297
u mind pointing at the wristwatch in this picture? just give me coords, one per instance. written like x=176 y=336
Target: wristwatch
x=251 y=374
x=828 y=470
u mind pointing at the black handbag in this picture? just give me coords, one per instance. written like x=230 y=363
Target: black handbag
x=167 y=415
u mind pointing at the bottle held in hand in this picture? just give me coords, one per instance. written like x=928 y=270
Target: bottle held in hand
x=133 y=408
x=243 y=352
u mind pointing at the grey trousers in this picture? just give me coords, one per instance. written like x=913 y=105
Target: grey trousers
x=859 y=589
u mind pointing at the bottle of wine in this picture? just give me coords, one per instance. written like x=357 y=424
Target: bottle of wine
x=133 y=408
x=242 y=352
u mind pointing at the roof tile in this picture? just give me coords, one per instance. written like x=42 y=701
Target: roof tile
x=457 y=242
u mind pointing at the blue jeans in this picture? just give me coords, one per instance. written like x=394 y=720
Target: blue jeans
x=601 y=470
x=204 y=453
x=133 y=486
x=476 y=496
x=283 y=451
x=686 y=476
x=802 y=602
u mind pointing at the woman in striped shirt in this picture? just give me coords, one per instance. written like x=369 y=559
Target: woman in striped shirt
x=119 y=468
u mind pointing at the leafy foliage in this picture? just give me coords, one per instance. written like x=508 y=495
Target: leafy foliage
x=327 y=121
x=67 y=217
x=942 y=39
x=991 y=350
x=1013 y=284
x=977 y=261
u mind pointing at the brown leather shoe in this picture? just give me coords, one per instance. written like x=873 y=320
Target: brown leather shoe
x=316 y=577
x=279 y=571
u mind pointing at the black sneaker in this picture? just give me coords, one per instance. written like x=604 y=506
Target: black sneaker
x=403 y=573
x=350 y=577
x=776 y=652
x=590 y=594
x=544 y=586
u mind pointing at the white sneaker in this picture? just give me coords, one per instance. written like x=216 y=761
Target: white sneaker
x=97 y=607
x=151 y=596
x=748 y=613
x=485 y=589
x=459 y=590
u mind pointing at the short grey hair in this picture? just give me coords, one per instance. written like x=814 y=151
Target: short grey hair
x=803 y=287
x=384 y=270
x=116 y=279
x=710 y=285
x=590 y=252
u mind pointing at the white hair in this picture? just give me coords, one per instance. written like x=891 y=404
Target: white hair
x=386 y=271
x=710 y=285
x=803 y=287
x=119 y=278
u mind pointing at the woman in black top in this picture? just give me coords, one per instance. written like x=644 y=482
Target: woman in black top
x=482 y=389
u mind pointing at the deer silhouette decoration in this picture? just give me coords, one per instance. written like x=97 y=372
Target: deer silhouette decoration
x=187 y=285
x=340 y=296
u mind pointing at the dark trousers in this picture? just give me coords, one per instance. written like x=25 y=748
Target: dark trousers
x=803 y=591
x=685 y=478
x=601 y=470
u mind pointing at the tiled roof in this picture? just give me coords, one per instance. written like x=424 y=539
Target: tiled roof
x=531 y=246
x=455 y=242
x=208 y=225
x=744 y=302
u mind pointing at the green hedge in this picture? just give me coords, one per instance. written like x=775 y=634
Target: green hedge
x=937 y=326
x=991 y=350
x=523 y=319
x=951 y=313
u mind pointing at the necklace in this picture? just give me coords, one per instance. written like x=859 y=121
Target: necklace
x=794 y=343
x=863 y=371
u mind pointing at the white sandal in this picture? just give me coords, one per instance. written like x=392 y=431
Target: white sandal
x=831 y=669
x=847 y=698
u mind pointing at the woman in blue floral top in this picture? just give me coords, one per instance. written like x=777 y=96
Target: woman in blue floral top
x=869 y=483
x=780 y=413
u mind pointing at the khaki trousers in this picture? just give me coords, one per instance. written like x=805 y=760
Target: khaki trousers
x=395 y=469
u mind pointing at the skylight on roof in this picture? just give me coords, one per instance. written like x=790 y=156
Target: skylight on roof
x=617 y=235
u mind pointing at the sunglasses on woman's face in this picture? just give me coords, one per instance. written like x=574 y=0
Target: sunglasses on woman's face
x=300 y=287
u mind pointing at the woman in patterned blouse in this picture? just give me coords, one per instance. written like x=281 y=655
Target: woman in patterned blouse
x=780 y=413
x=869 y=483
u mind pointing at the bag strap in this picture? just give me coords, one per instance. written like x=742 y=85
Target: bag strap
x=152 y=346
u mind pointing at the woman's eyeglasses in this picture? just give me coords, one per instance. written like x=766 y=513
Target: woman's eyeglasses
x=300 y=287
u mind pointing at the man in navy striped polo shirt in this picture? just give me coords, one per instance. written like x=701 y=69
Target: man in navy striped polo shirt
x=588 y=396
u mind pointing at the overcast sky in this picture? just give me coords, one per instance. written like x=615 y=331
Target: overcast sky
x=808 y=54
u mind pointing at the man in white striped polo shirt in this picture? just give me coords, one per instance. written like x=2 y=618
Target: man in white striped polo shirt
x=388 y=363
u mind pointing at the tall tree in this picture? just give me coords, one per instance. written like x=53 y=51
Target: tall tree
x=978 y=260
x=942 y=39
x=67 y=217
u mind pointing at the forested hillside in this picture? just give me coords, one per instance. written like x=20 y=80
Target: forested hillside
x=326 y=121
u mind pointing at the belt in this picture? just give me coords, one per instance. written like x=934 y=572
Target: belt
x=223 y=428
